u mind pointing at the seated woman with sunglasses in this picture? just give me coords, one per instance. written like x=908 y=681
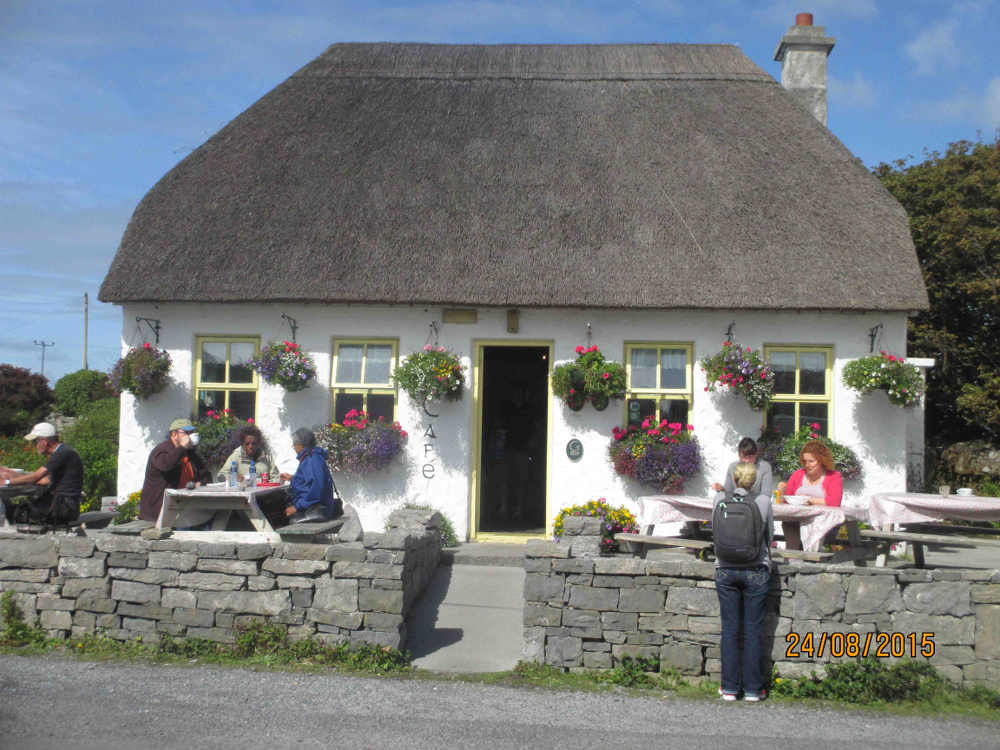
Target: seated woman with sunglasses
x=251 y=448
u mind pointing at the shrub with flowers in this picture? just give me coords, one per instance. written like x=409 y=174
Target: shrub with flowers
x=218 y=434
x=901 y=381
x=433 y=373
x=142 y=372
x=284 y=363
x=613 y=521
x=783 y=452
x=590 y=378
x=660 y=455
x=741 y=370
x=361 y=445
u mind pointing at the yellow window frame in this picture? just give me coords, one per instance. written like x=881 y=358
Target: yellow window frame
x=362 y=388
x=805 y=398
x=226 y=386
x=660 y=394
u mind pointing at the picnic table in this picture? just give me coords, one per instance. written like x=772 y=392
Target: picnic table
x=222 y=500
x=924 y=519
x=10 y=493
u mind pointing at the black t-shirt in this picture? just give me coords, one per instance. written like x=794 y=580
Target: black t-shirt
x=66 y=470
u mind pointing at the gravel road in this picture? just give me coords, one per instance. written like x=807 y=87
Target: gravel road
x=52 y=702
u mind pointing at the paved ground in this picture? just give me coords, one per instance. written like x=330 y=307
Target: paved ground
x=53 y=704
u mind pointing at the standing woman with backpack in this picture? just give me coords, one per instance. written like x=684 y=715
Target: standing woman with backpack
x=742 y=529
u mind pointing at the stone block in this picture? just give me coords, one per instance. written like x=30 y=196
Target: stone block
x=85 y=620
x=256 y=551
x=146 y=611
x=627 y=651
x=178 y=598
x=820 y=595
x=702 y=625
x=347 y=569
x=619 y=620
x=946 y=575
x=597 y=659
x=913 y=575
x=585 y=597
x=538 y=565
x=211 y=581
x=223 y=550
x=127 y=559
x=584 y=546
x=76 y=546
x=25 y=575
x=246 y=602
x=398 y=539
x=91 y=603
x=644 y=639
x=383 y=583
x=573 y=565
x=51 y=619
x=95 y=586
x=380 y=601
x=336 y=594
x=281 y=566
x=958 y=655
x=617 y=582
x=232 y=567
x=579 y=579
x=692 y=601
x=596 y=646
x=578 y=618
x=225 y=620
x=615 y=636
x=108 y=621
x=164 y=545
x=133 y=591
x=294 y=582
x=544 y=548
x=542 y=588
x=629 y=566
x=870 y=594
x=541 y=615
x=985 y=593
x=301 y=598
x=157 y=576
x=49 y=601
x=382 y=621
x=380 y=638
x=948 y=631
x=346 y=552
x=304 y=551
x=642 y=600
x=182 y=561
x=686 y=658
x=120 y=543
x=987 y=631
x=194 y=617
x=29 y=553
x=581 y=526
x=533 y=645
x=944 y=598
x=345 y=620
x=261 y=583
x=220 y=635
x=985 y=673
x=564 y=651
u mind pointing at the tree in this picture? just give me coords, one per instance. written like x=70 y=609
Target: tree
x=95 y=437
x=953 y=200
x=25 y=398
x=77 y=391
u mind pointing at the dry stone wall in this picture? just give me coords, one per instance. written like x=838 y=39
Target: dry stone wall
x=592 y=612
x=127 y=586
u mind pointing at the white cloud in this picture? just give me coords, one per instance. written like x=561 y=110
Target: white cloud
x=935 y=48
x=856 y=93
x=980 y=109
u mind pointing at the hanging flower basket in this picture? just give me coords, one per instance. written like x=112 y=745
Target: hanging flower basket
x=434 y=373
x=285 y=364
x=590 y=378
x=783 y=452
x=742 y=371
x=659 y=455
x=361 y=445
x=142 y=372
x=901 y=381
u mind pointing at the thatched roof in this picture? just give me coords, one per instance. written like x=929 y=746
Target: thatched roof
x=618 y=176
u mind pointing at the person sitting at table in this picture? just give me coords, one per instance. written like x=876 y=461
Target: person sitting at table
x=251 y=448
x=747 y=453
x=172 y=464
x=817 y=479
x=311 y=495
x=62 y=474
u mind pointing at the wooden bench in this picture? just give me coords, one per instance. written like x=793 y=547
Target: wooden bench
x=644 y=540
x=307 y=532
x=886 y=538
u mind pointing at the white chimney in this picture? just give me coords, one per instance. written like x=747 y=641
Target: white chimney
x=802 y=53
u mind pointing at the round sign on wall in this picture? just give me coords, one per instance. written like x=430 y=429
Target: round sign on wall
x=574 y=449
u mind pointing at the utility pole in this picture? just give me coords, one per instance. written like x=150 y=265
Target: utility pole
x=44 y=344
x=86 y=310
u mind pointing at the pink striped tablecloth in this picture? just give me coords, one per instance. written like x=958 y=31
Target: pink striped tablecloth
x=816 y=521
x=886 y=509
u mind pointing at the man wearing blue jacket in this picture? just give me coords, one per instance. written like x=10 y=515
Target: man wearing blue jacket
x=312 y=491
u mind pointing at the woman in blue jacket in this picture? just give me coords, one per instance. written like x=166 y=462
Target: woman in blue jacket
x=312 y=491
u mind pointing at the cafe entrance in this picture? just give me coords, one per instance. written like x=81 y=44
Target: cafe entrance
x=513 y=406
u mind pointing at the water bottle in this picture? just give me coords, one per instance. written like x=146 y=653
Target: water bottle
x=252 y=478
x=234 y=477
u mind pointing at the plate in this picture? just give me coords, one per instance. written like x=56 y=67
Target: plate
x=797 y=499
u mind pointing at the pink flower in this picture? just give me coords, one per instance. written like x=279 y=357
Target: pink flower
x=579 y=349
x=725 y=343
x=209 y=413
x=815 y=425
x=690 y=427
x=440 y=348
x=250 y=421
x=216 y=417
x=427 y=347
x=892 y=358
x=606 y=375
x=146 y=346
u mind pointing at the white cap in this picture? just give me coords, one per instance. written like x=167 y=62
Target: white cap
x=41 y=430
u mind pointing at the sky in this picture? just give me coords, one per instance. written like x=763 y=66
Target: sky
x=100 y=98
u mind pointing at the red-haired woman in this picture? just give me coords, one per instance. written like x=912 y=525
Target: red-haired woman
x=817 y=479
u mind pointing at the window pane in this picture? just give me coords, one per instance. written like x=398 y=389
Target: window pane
x=241 y=403
x=381 y=405
x=346 y=402
x=781 y=416
x=349 y=364
x=643 y=368
x=210 y=401
x=815 y=414
x=639 y=409
x=812 y=372
x=377 y=363
x=674 y=410
x=673 y=370
x=239 y=354
x=783 y=364
x=213 y=362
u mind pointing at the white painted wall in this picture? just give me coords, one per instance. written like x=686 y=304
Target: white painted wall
x=875 y=429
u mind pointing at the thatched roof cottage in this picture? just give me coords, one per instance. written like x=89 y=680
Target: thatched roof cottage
x=523 y=199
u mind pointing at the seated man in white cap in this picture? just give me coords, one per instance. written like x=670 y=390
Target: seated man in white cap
x=62 y=473
x=173 y=464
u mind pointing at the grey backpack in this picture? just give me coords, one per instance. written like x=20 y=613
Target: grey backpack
x=738 y=530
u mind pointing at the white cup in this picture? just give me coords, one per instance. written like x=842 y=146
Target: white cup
x=195 y=439
x=964 y=491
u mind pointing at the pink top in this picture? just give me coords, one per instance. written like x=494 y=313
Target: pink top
x=832 y=483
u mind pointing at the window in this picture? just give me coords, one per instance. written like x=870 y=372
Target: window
x=361 y=370
x=658 y=382
x=802 y=387
x=223 y=379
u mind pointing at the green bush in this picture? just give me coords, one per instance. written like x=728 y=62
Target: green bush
x=18 y=453
x=783 y=452
x=77 y=391
x=95 y=438
x=129 y=510
x=26 y=400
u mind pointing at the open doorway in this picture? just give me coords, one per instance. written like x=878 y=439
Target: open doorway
x=514 y=437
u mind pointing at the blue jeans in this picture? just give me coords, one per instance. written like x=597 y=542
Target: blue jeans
x=742 y=595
